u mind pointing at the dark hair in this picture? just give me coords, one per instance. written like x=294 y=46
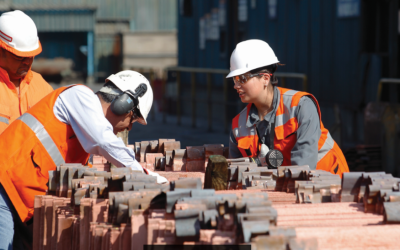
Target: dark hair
x=268 y=69
x=108 y=98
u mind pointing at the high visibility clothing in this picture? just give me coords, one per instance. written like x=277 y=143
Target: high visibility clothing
x=12 y=105
x=330 y=157
x=34 y=144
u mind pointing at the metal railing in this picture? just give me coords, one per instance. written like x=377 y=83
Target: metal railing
x=208 y=100
x=301 y=76
x=381 y=82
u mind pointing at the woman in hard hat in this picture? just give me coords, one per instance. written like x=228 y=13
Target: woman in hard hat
x=277 y=118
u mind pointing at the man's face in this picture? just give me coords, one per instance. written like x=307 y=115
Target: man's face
x=122 y=122
x=17 y=67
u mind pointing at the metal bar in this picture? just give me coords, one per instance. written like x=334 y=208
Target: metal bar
x=178 y=99
x=188 y=99
x=151 y=73
x=290 y=75
x=209 y=102
x=305 y=83
x=225 y=71
x=226 y=122
x=381 y=82
x=164 y=101
x=198 y=70
x=283 y=82
x=193 y=82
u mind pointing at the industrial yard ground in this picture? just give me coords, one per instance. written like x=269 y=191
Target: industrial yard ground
x=184 y=133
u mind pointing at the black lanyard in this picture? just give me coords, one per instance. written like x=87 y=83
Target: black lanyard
x=271 y=125
x=271 y=134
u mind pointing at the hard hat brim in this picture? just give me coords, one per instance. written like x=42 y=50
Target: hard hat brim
x=142 y=121
x=21 y=53
x=241 y=71
x=238 y=72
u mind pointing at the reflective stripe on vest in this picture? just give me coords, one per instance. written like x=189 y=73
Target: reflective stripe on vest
x=4 y=120
x=289 y=111
x=43 y=137
x=242 y=130
x=328 y=145
x=281 y=120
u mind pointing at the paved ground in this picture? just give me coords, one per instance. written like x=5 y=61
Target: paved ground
x=184 y=133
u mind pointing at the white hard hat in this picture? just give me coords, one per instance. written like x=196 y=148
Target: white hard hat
x=18 y=34
x=130 y=80
x=249 y=55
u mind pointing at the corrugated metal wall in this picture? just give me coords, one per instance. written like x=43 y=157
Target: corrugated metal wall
x=147 y=15
x=107 y=56
x=105 y=8
x=106 y=18
x=189 y=52
x=154 y=15
x=66 y=45
x=306 y=35
x=137 y=15
x=62 y=20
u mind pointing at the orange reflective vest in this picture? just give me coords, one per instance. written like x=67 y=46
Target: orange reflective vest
x=34 y=144
x=12 y=105
x=330 y=157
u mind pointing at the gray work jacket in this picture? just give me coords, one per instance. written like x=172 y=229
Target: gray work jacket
x=305 y=151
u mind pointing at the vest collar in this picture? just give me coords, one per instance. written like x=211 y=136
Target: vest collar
x=253 y=117
x=6 y=78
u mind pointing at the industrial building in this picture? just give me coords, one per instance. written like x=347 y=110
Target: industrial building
x=84 y=41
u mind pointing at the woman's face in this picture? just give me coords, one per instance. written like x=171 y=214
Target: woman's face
x=251 y=90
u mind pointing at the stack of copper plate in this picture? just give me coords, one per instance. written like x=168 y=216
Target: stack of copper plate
x=291 y=207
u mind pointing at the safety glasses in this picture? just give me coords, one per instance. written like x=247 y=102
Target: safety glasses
x=242 y=79
x=17 y=58
x=137 y=117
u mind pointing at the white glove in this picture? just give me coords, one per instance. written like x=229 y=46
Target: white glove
x=160 y=179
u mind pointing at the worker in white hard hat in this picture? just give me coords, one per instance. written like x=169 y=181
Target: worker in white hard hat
x=276 y=118
x=20 y=87
x=65 y=127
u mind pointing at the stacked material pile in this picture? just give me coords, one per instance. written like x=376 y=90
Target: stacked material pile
x=310 y=186
x=100 y=163
x=167 y=155
x=379 y=192
x=144 y=212
x=291 y=207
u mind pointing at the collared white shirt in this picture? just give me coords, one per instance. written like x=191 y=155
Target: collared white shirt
x=79 y=107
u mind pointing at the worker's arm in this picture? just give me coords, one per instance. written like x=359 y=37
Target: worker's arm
x=81 y=108
x=305 y=151
x=233 y=147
